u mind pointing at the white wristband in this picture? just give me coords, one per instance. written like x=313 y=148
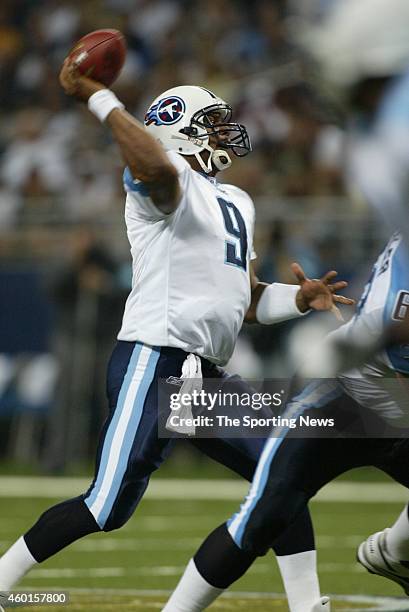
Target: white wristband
x=102 y=103
x=277 y=303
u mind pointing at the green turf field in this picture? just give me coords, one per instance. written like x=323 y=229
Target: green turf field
x=133 y=568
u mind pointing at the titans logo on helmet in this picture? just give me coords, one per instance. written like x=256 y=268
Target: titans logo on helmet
x=166 y=112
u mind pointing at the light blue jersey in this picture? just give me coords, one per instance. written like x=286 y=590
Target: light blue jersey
x=377 y=384
x=385 y=300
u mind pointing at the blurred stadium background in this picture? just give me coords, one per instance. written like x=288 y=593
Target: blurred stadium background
x=65 y=264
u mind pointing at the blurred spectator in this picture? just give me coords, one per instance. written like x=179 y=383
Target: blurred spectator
x=34 y=164
x=9 y=207
x=224 y=44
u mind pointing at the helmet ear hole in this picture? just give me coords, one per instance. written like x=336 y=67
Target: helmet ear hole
x=221 y=159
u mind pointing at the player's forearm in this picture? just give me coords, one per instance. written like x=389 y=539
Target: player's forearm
x=275 y=303
x=256 y=293
x=145 y=157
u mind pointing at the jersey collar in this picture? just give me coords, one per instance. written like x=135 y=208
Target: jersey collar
x=211 y=179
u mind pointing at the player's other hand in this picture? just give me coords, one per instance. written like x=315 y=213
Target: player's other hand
x=320 y=294
x=74 y=84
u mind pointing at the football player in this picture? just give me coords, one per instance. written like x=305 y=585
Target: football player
x=370 y=412
x=363 y=53
x=193 y=285
x=373 y=88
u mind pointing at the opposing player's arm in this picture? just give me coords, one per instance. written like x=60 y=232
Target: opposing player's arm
x=145 y=157
x=279 y=302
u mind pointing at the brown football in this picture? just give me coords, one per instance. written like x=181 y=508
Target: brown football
x=100 y=55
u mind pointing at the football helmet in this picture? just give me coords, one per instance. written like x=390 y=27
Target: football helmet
x=183 y=118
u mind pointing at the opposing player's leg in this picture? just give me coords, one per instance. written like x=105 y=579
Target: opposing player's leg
x=288 y=474
x=220 y=561
x=295 y=548
x=386 y=553
x=129 y=451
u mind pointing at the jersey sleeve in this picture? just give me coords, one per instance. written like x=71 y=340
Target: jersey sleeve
x=139 y=204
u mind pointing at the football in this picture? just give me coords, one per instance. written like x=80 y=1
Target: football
x=100 y=55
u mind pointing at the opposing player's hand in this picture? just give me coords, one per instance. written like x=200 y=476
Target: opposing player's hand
x=320 y=294
x=74 y=84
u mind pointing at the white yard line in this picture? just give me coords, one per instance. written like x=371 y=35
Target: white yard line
x=106 y=572
x=178 y=489
x=107 y=544
x=164 y=570
x=135 y=544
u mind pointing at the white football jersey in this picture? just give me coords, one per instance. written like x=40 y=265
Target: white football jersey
x=190 y=284
x=378 y=166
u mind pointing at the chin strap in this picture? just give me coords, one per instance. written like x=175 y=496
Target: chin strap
x=218 y=158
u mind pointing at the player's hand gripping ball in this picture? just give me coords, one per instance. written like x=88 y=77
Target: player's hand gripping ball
x=100 y=55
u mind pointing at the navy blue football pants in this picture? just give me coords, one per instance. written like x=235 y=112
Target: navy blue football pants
x=130 y=450
x=292 y=470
